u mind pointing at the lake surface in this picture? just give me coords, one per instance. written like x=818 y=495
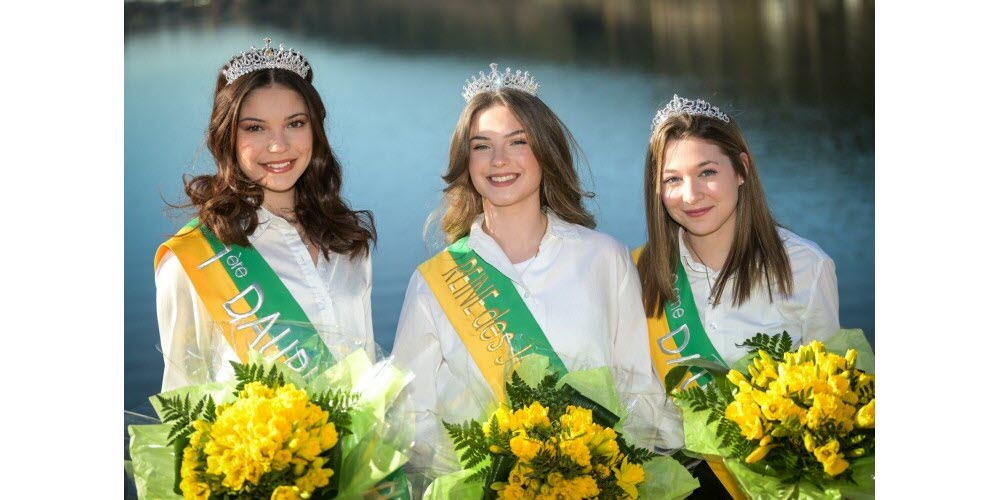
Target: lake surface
x=798 y=79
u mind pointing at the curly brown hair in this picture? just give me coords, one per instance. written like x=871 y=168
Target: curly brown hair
x=227 y=201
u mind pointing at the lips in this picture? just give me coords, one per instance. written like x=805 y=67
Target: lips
x=502 y=180
x=279 y=167
x=697 y=213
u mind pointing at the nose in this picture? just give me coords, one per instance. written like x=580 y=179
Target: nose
x=691 y=192
x=499 y=157
x=278 y=143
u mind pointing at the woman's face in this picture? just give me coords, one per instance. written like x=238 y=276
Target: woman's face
x=700 y=187
x=274 y=139
x=503 y=168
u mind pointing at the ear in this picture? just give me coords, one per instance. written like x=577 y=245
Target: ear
x=745 y=160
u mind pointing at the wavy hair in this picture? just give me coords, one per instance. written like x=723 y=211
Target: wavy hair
x=757 y=256
x=550 y=142
x=227 y=201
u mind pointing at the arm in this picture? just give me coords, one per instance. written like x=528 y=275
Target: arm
x=418 y=349
x=366 y=301
x=186 y=328
x=822 y=316
x=655 y=421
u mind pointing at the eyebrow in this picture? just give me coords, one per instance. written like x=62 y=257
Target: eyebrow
x=289 y=117
x=702 y=164
x=512 y=134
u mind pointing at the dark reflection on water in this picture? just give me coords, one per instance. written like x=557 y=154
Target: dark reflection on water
x=798 y=76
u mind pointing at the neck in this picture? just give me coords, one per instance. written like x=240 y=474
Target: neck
x=518 y=230
x=712 y=249
x=280 y=204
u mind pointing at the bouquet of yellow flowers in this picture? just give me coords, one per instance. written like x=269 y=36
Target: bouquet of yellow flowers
x=276 y=436
x=790 y=424
x=548 y=440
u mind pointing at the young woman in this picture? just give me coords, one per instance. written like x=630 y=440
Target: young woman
x=524 y=273
x=275 y=261
x=717 y=269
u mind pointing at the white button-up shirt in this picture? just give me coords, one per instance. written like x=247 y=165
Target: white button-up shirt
x=583 y=290
x=809 y=313
x=335 y=294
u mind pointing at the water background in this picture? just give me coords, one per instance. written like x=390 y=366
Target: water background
x=798 y=76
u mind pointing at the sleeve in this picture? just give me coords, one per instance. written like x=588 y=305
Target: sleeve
x=653 y=420
x=418 y=349
x=186 y=328
x=822 y=316
x=366 y=301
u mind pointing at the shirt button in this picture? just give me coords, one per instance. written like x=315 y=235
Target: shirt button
x=714 y=326
x=527 y=294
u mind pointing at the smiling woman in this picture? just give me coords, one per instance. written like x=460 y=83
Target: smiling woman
x=276 y=261
x=525 y=273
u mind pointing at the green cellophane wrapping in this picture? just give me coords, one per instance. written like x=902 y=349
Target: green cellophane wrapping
x=378 y=444
x=665 y=479
x=701 y=439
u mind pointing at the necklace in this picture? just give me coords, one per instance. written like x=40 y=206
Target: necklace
x=708 y=279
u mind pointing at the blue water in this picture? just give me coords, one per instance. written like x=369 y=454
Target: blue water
x=391 y=116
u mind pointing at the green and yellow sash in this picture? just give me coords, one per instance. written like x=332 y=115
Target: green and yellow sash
x=679 y=321
x=246 y=298
x=485 y=309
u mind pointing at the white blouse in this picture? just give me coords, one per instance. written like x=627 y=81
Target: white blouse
x=809 y=313
x=335 y=294
x=583 y=290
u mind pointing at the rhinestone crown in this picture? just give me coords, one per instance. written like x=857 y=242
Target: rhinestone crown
x=496 y=80
x=682 y=106
x=266 y=58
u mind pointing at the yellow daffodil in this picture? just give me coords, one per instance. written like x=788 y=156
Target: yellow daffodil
x=629 y=475
x=866 y=416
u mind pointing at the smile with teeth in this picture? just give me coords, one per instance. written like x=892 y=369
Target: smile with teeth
x=499 y=179
x=279 y=167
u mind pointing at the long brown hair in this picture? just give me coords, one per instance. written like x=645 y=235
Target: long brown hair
x=552 y=145
x=757 y=256
x=227 y=201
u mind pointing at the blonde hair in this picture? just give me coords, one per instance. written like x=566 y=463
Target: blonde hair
x=757 y=256
x=552 y=145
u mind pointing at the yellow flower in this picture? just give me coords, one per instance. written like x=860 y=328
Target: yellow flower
x=829 y=455
x=524 y=447
x=628 y=476
x=747 y=415
x=535 y=415
x=576 y=450
x=285 y=493
x=604 y=443
x=503 y=416
x=866 y=416
x=759 y=453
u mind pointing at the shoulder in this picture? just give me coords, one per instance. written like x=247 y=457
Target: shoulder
x=804 y=256
x=600 y=242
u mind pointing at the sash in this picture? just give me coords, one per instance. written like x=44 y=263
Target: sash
x=680 y=318
x=228 y=280
x=677 y=335
x=487 y=312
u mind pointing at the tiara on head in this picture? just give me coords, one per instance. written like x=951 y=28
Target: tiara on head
x=266 y=58
x=682 y=106
x=496 y=80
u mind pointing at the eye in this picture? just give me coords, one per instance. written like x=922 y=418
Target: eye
x=519 y=142
x=708 y=172
x=253 y=127
x=671 y=180
x=297 y=124
x=480 y=147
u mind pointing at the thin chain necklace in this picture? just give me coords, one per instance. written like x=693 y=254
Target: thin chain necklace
x=708 y=279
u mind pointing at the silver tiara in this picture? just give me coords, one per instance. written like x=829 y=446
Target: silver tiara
x=496 y=80
x=682 y=106
x=266 y=58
